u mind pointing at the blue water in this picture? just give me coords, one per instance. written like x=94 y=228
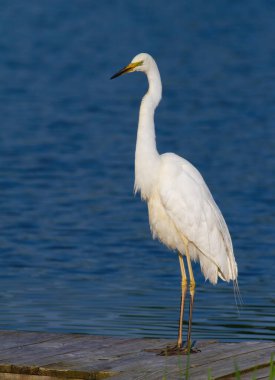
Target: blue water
x=76 y=252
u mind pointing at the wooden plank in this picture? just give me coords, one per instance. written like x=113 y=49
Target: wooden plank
x=259 y=374
x=52 y=346
x=12 y=376
x=240 y=354
x=12 y=339
x=245 y=363
x=155 y=369
x=176 y=369
x=92 y=357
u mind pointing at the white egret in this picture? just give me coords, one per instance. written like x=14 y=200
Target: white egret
x=182 y=212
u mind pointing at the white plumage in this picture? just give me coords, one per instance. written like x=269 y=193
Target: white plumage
x=182 y=212
x=181 y=204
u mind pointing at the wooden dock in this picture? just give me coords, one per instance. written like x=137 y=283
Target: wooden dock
x=77 y=356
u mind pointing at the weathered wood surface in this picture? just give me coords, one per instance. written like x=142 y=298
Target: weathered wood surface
x=12 y=376
x=77 y=356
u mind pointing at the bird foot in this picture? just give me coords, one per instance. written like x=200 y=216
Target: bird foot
x=176 y=350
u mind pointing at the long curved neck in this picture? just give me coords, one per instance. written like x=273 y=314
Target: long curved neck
x=147 y=158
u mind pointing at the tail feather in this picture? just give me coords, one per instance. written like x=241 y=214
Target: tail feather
x=226 y=271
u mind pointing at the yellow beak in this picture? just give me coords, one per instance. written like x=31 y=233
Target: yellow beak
x=127 y=69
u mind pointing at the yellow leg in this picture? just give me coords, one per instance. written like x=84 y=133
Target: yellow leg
x=192 y=295
x=176 y=350
x=183 y=294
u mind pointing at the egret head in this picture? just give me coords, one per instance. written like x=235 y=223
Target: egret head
x=140 y=62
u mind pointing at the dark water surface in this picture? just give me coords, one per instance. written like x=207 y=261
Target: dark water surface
x=76 y=252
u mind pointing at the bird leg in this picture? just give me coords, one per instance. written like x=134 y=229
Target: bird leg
x=192 y=286
x=187 y=349
x=178 y=349
x=183 y=294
